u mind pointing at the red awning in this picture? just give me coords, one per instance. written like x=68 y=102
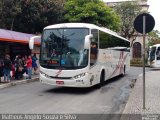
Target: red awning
x=12 y=36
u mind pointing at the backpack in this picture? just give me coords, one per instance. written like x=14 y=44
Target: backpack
x=8 y=64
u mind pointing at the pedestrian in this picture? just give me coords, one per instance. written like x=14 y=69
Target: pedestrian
x=1 y=68
x=34 y=63
x=24 y=59
x=12 y=72
x=29 y=66
x=18 y=61
x=7 y=68
x=19 y=66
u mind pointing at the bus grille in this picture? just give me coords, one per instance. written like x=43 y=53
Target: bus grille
x=60 y=77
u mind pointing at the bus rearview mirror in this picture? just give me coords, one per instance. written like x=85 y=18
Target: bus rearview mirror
x=31 y=41
x=87 y=41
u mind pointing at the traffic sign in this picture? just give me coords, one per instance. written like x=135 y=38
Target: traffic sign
x=144 y=23
x=139 y=23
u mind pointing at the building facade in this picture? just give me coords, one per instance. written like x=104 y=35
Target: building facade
x=137 y=44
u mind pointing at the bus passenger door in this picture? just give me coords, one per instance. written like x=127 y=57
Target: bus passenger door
x=94 y=55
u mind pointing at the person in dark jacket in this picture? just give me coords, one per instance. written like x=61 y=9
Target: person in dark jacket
x=7 y=68
x=1 y=68
x=34 y=64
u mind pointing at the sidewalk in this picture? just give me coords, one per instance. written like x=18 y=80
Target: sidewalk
x=152 y=99
x=18 y=82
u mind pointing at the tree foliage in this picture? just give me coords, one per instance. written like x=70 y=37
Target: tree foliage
x=9 y=9
x=153 y=37
x=36 y=14
x=30 y=16
x=91 y=11
x=128 y=11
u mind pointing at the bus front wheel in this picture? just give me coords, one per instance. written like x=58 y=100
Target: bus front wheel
x=102 y=79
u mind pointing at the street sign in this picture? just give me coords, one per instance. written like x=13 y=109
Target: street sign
x=144 y=23
x=149 y=23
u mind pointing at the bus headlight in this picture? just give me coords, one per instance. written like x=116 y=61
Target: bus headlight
x=44 y=74
x=79 y=76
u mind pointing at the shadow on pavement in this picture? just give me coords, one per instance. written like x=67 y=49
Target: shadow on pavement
x=71 y=90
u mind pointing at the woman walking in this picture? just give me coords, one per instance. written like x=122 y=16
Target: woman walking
x=29 y=66
x=7 y=68
x=1 y=68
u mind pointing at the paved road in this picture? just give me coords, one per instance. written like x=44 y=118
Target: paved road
x=38 y=98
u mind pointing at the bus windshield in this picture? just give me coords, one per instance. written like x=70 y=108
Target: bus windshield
x=63 y=48
x=152 y=53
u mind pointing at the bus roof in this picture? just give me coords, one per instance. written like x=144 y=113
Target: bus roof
x=156 y=45
x=84 y=25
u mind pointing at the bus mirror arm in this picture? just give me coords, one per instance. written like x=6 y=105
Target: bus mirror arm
x=87 y=41
x=31 y=41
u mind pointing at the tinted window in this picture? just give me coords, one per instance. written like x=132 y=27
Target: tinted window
x=94 y=47
x=64 y=47
x=109 y=41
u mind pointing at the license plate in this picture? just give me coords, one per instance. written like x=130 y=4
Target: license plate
x=60 y=82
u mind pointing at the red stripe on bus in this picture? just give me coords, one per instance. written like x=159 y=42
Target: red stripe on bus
x=117 y=67
x=58 y=73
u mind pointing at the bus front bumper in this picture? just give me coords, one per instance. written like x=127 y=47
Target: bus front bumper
x=81 y=82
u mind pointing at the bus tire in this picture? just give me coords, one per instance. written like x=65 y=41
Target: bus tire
x=102 y=79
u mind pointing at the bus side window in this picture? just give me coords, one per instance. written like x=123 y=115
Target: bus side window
x=94 y=50
x=94 y=47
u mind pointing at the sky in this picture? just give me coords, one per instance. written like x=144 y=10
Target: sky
x=154 y=9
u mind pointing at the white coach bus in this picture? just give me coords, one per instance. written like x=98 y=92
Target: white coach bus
x=154 y=56
x=81 y=55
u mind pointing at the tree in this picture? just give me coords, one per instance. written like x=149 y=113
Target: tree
x=30 y=16
x=91 y=11
x=128 y=11
x=36 y=14
x=1 y=11
x=9 y=9
x=153 y=37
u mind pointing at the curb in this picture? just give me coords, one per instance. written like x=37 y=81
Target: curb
x=129 y=116
x=131 y=94
x=18 y=82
